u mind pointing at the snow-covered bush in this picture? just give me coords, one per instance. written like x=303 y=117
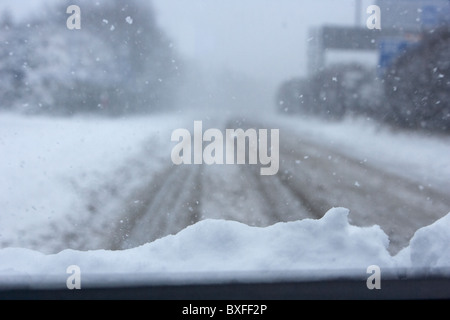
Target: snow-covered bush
x=294 y=96
x=417 y=86
x=332 y=93
x=118 y=62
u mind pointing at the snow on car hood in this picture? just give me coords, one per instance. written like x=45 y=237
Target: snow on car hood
x=323 y=248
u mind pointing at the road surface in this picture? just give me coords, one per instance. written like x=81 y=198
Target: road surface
x=312 y=179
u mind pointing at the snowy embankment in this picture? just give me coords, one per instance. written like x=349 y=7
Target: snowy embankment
x=64 y=175
x=50 y=169
x=413 y=155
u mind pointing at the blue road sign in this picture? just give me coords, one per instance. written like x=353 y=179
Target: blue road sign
x=390 y=50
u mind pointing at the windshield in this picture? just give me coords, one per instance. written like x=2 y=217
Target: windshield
x=196 y=141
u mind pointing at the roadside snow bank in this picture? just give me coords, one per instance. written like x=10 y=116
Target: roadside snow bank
x=413 y=155
x=330 y=245
x=52 y=168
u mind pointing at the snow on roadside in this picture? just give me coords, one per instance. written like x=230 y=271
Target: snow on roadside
x=323 y=248
x=412 y=155
x=60 y=172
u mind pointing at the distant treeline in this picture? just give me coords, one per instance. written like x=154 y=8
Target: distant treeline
x=414 y=92
x=118 y=63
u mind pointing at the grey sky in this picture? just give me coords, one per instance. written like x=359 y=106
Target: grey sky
x=257 y=37
x=261 y=38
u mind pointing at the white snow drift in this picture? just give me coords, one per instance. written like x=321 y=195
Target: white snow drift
x=326 y=248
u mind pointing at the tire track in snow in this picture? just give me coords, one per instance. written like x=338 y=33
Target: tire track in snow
x=322 y=177
x=281 y=202
x=170 y=202
x=312 y=179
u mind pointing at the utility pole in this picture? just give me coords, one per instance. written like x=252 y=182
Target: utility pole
x=358 y=6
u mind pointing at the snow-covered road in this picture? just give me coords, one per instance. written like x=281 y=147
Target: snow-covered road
x=312 y=179
x=90 y=184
